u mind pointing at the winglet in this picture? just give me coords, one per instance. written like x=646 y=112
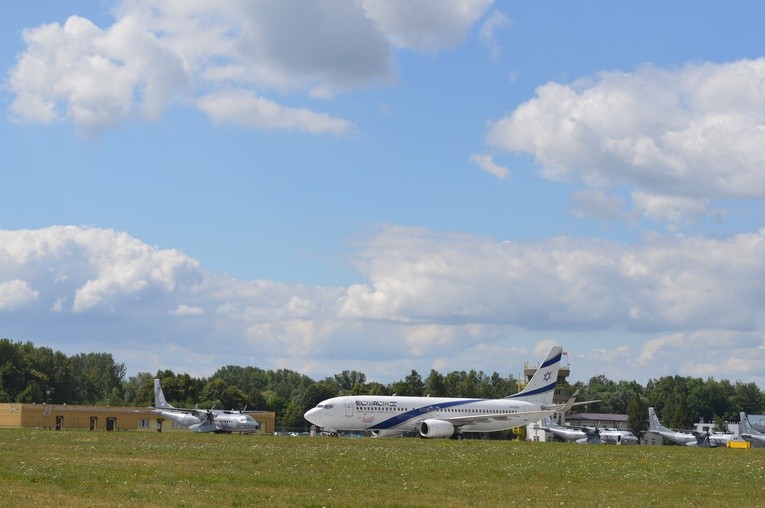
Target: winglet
x=571 y=402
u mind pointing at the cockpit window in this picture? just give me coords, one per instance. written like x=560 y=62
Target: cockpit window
x=328 y=406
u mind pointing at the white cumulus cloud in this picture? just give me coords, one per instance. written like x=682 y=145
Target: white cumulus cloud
x=689 y=134
x=197 y=52
x=16 y=294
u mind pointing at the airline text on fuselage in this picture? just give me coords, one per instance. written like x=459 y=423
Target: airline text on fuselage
x=376 y=403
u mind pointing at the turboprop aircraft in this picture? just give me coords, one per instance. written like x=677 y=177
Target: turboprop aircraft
x=691 y=438
x=654 y=425
x=204 y=420
x=746 y=430
x=589 y=435
x=443 y=417
x=615 y=436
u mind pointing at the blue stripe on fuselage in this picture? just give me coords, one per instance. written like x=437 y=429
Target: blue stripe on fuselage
x=413 y=413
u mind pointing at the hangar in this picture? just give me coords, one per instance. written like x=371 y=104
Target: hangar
x=109 y=418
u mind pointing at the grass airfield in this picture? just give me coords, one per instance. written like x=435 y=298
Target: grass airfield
x=81 y=468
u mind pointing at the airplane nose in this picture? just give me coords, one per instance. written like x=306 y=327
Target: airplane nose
x=312 y=415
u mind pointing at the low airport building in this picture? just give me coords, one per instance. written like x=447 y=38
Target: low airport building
x=599 y=420
x=108 y=418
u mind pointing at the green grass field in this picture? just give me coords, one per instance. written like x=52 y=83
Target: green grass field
x=80 y=468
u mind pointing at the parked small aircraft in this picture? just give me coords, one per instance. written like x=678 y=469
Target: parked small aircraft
x=203 y=420
x=441 y=416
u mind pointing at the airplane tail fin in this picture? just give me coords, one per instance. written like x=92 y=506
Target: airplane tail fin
x=745 y=427
x=159 y=396
x=653 y=422
x=541 y=387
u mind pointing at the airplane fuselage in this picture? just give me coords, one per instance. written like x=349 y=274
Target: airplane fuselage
x=181 y=418
x=570 y=435
x=618 y=437
x=387 y=413
x=222 y=421
x=682 y=438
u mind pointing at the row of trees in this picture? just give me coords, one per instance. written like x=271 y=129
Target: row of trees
x=39 y=374
x=679 y=401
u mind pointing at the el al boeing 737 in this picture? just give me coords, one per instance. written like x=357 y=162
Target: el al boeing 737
x=440 y=416
x=203 y=420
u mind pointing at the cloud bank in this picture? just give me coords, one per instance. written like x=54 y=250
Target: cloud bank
x=430 y=300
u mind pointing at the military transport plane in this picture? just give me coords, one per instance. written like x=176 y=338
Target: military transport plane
x=683 y=438
x=691 y=438
x=589 y=435
x=746 y=430
x=440 y=416
x=203 y=420
x=610 y=436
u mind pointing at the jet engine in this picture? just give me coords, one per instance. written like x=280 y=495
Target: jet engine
x=436 y=428
x=387 y=433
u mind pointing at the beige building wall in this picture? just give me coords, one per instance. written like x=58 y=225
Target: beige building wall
x=67 y=417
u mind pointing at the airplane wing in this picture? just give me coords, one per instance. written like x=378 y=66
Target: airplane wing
x=586 y=402
x=459 y=421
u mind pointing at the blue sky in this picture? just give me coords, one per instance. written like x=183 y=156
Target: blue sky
x=387 y=186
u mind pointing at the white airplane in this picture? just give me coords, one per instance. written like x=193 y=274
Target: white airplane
x=203 y=420
x=692 y=438
x=746 y=430
x=441 y=416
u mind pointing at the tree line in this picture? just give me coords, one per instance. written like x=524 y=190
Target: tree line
x=34 y=374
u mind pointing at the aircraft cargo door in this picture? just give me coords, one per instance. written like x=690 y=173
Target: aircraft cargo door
x=348 y=408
